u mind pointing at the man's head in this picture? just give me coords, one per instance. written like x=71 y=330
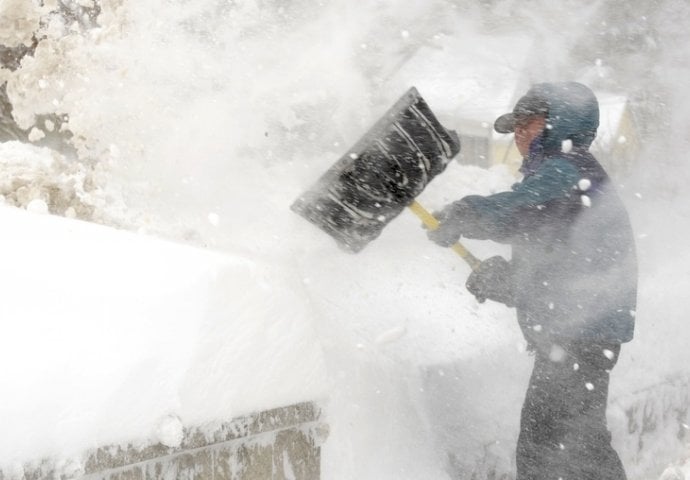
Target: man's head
x=526 y=130
x=561 y=111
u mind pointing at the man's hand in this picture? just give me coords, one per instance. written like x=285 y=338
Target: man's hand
x=450 y=225
x=493 y=280
x=445 y=235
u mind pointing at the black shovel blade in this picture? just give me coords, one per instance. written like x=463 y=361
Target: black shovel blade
x=380 y=175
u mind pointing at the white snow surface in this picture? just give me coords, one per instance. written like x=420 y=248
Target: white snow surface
x=110 y=336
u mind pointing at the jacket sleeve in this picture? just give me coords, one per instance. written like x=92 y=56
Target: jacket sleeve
x=504 y=215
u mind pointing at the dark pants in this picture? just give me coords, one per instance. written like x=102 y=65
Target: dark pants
x=563 y=430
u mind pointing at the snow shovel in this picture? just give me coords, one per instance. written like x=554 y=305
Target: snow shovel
x=381 y=175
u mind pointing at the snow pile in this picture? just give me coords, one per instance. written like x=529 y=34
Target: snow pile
x=44 y=181
x=18 y=22
x=114 y=337
x=170 y=431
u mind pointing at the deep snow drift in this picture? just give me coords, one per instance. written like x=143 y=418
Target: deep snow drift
x=110 y=335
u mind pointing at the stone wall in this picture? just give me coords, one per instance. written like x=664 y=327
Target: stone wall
x=279 y=444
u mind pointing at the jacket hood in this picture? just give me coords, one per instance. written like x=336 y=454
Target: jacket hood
x=572 y=114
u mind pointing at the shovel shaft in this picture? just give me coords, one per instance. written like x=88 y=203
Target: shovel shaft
x=432 y=224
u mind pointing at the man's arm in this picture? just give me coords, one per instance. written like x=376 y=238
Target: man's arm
x=504 y=215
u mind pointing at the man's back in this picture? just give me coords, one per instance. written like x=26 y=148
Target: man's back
x=575 y=269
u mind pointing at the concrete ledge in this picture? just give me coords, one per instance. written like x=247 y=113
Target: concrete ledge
x=283 y=443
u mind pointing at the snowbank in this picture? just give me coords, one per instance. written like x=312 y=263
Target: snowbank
x=44 y=181
x=108 y=335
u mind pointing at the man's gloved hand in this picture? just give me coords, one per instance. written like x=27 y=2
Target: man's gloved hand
x=450 y=224
x=493 y=280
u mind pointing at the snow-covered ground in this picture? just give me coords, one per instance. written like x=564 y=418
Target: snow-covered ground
x=412 y=371
x=201 y=122
x=109 y=334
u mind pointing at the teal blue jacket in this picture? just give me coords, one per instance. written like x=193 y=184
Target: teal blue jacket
x=573 y=261
x=574 y=268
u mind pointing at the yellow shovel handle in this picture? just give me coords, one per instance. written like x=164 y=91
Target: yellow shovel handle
x=432 y=224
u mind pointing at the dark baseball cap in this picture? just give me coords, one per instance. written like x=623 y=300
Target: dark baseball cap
x=531 y=104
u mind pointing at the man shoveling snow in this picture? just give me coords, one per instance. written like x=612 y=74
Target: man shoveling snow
x=572 y=278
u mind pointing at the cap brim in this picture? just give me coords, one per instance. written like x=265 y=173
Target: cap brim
x=505 y=123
